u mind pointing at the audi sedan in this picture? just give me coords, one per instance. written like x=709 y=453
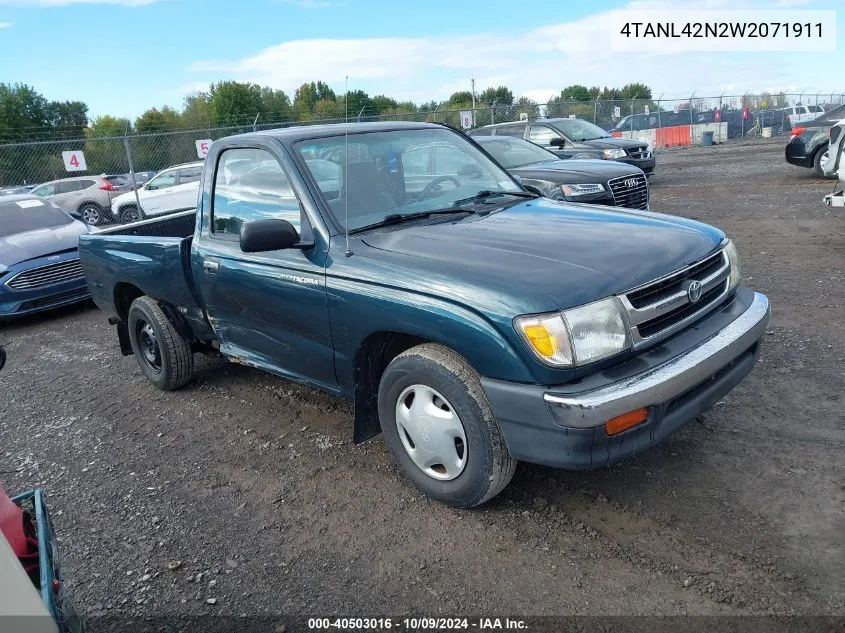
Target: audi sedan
x=575 y=180
x=39 y=256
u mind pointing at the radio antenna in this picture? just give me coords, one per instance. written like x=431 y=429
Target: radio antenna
x=346 y=164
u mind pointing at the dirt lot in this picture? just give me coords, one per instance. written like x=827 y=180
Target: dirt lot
x=253 y=482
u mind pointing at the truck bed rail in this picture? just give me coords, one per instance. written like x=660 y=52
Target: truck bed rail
x=178 y=224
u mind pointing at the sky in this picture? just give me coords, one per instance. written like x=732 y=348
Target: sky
x=124 y=56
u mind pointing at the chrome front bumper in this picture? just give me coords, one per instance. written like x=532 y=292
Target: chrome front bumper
x=665 y=382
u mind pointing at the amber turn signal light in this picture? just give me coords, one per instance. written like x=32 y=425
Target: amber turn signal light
x=626 y=421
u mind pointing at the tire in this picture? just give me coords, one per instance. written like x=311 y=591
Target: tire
x=129 y=213
x=436 y=372
x=820 y=155
x=163 y=355
x=92 y=214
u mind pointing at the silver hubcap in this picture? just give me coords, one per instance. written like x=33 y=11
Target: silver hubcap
x=431 y=432
x=823 y=161
x=90 y=216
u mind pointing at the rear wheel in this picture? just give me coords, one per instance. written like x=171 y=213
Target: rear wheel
x=163 y=355
x=129 y=214
x=440 y=428
x=92 y=214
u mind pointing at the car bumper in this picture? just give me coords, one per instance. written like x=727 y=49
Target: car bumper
x=563 y=426
x=16 y=303
x=796 y=154
x=646 y=164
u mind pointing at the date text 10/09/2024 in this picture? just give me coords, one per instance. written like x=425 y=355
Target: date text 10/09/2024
x=721 y=29
x=417 y=624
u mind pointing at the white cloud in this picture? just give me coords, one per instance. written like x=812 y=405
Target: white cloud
x=535 y=63
x=33 y=4
x=5 y=25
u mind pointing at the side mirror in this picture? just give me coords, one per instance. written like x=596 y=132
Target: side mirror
x=558 y=141
x=260 y=236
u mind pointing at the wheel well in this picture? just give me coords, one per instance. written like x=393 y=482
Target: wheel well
x=89 y=202
x=373 y=357
x=124 y=295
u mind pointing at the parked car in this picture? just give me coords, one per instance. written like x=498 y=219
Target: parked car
x=835 y=165
x=801 y=113
x=11 y=191
x=575 y=138
x=808 y=146
x=172 y=189
x=594 y=181
x=472 y=322
x=90 y=196
x=39 y=258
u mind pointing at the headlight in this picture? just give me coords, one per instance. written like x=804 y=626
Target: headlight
x=733 y=259
x=614 y=153
x=576 y=336
x=582 y=190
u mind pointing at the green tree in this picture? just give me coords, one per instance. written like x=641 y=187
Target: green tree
x=275 y=105
x=68 y=119
x=234 y=103
x=500 y=95
x=104 y=148
x=635 y=91
x=108 y=126
x=381 y=103
x=152 y=149
x=304 y=100
x=196 y=112
x=22 y=112
x=576 y=92
x=462 y=97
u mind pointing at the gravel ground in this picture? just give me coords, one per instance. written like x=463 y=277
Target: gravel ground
x=242 y=493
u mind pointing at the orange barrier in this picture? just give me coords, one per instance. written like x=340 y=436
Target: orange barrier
x=675 y=136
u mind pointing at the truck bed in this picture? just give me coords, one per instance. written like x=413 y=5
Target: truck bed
x=152 y=256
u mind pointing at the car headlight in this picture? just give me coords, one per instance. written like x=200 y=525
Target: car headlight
x=576 y=336
x=733 y=259
x=614 y=153
x=582 y=190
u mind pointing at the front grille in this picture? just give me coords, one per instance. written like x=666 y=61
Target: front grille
x=630 y=191
x=62 y=297
x=46 y=275
x=639 y=152
x=664 y=306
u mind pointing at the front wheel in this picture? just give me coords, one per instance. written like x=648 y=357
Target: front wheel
x=440 y=428
x=819 y=162
x=166 y=358
x=129 y=214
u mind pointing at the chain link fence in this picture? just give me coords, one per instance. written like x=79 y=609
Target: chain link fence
x=24 y=164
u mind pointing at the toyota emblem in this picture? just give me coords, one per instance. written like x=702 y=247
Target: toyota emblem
x=631 y=182
x=694 y=291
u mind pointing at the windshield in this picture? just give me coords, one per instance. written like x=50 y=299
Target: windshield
x=578 y=130
x=400 y=172
x=20 y=216
x=515 y=152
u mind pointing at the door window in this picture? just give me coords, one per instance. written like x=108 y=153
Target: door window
x=542 y=135
x=45 y=190
x=517 y=130
x=190 y=174
x=260 y=190
x=164 y=181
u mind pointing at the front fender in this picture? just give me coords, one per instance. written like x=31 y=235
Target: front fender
x=358 y=310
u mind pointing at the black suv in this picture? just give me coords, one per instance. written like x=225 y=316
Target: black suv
x=575 y=138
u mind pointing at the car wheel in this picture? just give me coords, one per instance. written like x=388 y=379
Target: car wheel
x=440 y=428
x=163 y=355
x=92 y=214
x=129 y=214
x=819 y=160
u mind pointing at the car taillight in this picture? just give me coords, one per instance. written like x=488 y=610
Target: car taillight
x=798 y=131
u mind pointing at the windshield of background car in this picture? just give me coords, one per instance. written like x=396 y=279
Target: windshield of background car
x=20 y=216
x=398 y=172
x=578 y=130
x=513 y=153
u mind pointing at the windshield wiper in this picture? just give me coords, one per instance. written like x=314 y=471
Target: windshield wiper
x=398 y=218
x=483 y=195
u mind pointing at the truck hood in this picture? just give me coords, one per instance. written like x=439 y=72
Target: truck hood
x=20 y=247
x=577 y=170
x=569 y=254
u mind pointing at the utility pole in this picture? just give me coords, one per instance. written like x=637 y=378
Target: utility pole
x=473 y=100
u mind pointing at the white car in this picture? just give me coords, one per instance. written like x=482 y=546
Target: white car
x=173 y=189
x=799 y=113
x=835 y=164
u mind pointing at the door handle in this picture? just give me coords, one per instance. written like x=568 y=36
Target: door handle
x=210 y=266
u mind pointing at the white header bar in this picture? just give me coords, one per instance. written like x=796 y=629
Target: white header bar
x=759 y=30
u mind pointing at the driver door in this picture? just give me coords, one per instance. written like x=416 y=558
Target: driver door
x=156 y=191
